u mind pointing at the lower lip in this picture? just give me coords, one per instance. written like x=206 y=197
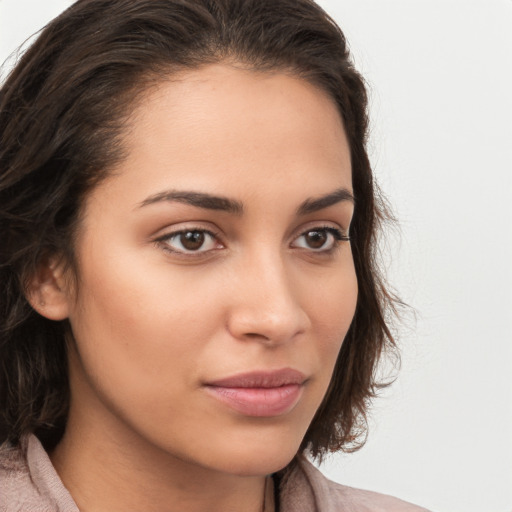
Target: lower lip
x=259 y=402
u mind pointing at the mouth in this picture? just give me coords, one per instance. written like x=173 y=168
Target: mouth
x=260 y=393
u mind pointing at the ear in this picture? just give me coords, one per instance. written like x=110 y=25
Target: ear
x=48 y=290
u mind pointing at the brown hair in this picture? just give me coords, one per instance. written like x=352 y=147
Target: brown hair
x=62 y=110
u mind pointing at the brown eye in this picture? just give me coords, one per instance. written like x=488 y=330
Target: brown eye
x=315 y=239
x=190 y=241
x=319 y=239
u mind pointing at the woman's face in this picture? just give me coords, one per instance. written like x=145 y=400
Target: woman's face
x=215 y=282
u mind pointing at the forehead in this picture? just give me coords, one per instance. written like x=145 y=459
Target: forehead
x=223 y=127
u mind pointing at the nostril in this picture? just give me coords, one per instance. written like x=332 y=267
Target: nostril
x=255 y=335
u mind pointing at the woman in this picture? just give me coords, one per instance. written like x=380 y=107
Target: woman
x=188 y=226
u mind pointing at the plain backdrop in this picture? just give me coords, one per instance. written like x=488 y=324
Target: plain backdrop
x=440 y=77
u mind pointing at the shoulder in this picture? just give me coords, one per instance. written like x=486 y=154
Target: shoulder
x=310 y=486
x=15 y=483
x=28 y=481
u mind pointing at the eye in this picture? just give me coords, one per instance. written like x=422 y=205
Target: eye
x=320 y=239
x=190 y=241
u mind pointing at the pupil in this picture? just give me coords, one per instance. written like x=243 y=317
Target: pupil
x=316 y=239
x=192 y=240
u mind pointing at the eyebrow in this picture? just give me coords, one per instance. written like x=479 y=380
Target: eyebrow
x=315 y=204
x=198 y=199
x=212 y=202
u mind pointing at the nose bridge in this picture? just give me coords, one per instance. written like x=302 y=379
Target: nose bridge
x=267 y=304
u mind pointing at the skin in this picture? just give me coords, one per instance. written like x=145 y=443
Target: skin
x=152 y=323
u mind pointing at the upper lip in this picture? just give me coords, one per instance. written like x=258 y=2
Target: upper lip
x=261 y=379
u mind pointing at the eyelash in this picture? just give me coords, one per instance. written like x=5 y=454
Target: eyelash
x=163 y=241
x=337 y=234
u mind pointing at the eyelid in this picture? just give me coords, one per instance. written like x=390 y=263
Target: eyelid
x=323 y=225
x=162 y=239
x=336 y=232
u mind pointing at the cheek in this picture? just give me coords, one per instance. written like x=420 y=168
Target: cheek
x=138 y=336
x=333 y=308
x=133 y=322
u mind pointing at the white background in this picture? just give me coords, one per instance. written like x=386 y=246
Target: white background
x=440 y=78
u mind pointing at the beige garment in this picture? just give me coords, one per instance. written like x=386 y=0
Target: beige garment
x=29 y=483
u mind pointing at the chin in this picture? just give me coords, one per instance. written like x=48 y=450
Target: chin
x=258 y=464
x=259 y=457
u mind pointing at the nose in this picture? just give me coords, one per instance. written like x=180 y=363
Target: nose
x=266 y=305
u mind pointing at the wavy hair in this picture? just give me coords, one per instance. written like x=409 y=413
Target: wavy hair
x=62 y=111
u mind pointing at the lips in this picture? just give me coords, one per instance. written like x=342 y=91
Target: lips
x=259 y=394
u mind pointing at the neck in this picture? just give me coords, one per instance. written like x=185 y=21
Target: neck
x=108 y=470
